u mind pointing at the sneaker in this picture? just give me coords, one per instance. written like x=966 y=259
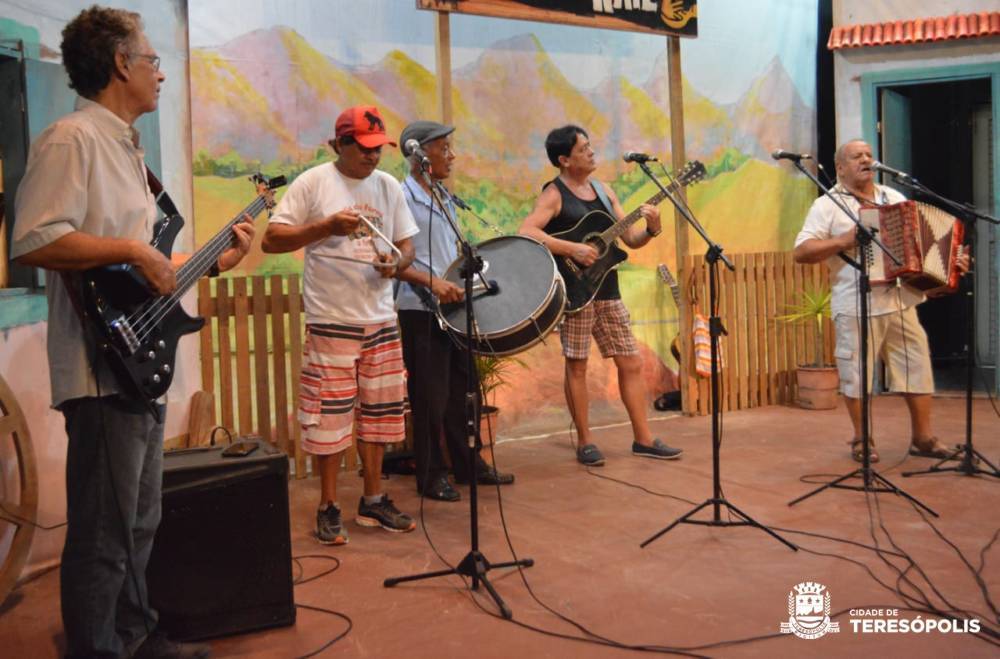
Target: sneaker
x=158 y=646
x=383 y=513
x=329 y=529
x=658 y=450
x=589 y=455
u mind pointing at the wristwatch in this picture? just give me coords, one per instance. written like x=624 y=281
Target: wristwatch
x=653 y=234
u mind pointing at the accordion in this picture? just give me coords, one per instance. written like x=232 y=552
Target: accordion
x=927 y=240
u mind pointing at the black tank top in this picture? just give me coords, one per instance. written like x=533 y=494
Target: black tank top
x=572 y=211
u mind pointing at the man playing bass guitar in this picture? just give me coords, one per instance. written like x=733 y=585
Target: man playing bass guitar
x=563 y=202
x=84 y=202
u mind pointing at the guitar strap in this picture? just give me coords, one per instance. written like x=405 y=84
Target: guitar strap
x=168 y=208
x=603 y=196
x=163 y=200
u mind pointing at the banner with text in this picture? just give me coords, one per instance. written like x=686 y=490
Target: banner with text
x=668 y=17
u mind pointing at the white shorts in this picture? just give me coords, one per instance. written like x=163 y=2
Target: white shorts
x=899 y=339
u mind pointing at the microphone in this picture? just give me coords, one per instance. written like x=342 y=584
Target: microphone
x=635 y=156
x=781 y=154
x=876 y=165
x=413 y=146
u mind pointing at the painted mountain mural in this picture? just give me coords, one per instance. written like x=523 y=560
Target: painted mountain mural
x=268 y=99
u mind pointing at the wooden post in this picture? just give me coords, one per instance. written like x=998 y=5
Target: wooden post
x=442 y=53
x=678 y=157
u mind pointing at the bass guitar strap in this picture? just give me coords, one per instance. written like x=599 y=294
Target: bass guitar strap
x=163 y=200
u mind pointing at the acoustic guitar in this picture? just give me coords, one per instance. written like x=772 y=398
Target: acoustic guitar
x=599 y=229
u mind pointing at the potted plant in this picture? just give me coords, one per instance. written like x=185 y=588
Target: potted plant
x=493 y=373
x=818 y=381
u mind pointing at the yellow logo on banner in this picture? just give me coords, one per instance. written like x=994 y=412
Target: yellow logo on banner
x=674 y=15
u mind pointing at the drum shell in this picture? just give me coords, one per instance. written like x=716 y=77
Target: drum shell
x=529 y=303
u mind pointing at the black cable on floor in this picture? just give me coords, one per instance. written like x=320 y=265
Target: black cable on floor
x=918 y=597
x=299 y=580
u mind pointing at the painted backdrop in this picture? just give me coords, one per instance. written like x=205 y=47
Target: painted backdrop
x=268 y=79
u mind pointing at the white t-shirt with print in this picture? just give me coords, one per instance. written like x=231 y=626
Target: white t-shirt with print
x=337 y=290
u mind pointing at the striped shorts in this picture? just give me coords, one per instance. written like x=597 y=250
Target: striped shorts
x=351 y=374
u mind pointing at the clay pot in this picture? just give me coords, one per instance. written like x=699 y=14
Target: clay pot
x=817 y=387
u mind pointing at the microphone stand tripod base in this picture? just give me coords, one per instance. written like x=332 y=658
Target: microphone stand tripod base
x=872 y=482
x=475 y=566
x=969 y=459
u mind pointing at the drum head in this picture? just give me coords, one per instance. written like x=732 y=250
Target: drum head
x=525 y=274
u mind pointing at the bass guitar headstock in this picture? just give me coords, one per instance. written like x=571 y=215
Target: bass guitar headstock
x=266 y=187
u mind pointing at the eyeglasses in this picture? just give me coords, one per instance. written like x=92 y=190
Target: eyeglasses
x=154 y=60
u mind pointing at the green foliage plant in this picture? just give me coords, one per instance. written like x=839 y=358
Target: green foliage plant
x=813 y=306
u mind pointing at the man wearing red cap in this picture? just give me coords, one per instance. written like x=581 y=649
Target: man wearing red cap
x=353 y=378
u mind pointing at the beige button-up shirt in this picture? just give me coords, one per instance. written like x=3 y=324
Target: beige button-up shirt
x=85 y=173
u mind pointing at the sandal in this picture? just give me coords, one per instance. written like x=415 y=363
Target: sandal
x=857 y=450
x=932 y=448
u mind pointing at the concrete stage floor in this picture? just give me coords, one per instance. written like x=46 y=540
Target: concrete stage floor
x=694 y=587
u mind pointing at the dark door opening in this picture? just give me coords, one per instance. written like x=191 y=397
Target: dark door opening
x=941 y=134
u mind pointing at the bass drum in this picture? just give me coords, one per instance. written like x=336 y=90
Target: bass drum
x=528 y=302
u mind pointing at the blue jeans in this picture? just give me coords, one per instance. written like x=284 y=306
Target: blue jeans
x=114 y=473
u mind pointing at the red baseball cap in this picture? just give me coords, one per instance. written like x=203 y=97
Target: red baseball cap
x=365 y=124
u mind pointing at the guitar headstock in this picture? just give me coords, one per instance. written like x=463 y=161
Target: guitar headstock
x=666 y=275
x=668 y=279
x=691 y=173
x=266 y=187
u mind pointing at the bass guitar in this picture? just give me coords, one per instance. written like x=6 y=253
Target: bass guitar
x=136 y=330
x=598 y=229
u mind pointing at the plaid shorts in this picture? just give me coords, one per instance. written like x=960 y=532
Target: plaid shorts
x=610 y=324
x=351 y=373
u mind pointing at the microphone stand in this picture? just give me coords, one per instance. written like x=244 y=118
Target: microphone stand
x=872 y=481
x=717 y=501
x=966 y=453
x=474 y=565
x=458 y=201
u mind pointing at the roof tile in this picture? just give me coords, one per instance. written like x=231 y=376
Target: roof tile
x=917 y=30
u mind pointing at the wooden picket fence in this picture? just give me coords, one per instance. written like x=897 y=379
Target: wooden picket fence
x=251 y=345
x=251 y=353
x=760 y=352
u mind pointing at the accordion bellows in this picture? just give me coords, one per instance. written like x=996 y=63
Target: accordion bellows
x=926 y=239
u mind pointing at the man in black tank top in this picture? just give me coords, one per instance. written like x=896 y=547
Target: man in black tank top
x=563 y=202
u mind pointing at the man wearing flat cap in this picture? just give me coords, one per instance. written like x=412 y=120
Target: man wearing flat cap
x=353 y=378
x=436 y=366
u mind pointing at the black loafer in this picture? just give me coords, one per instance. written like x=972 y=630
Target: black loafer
x=441 y=490
x=488 y=475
